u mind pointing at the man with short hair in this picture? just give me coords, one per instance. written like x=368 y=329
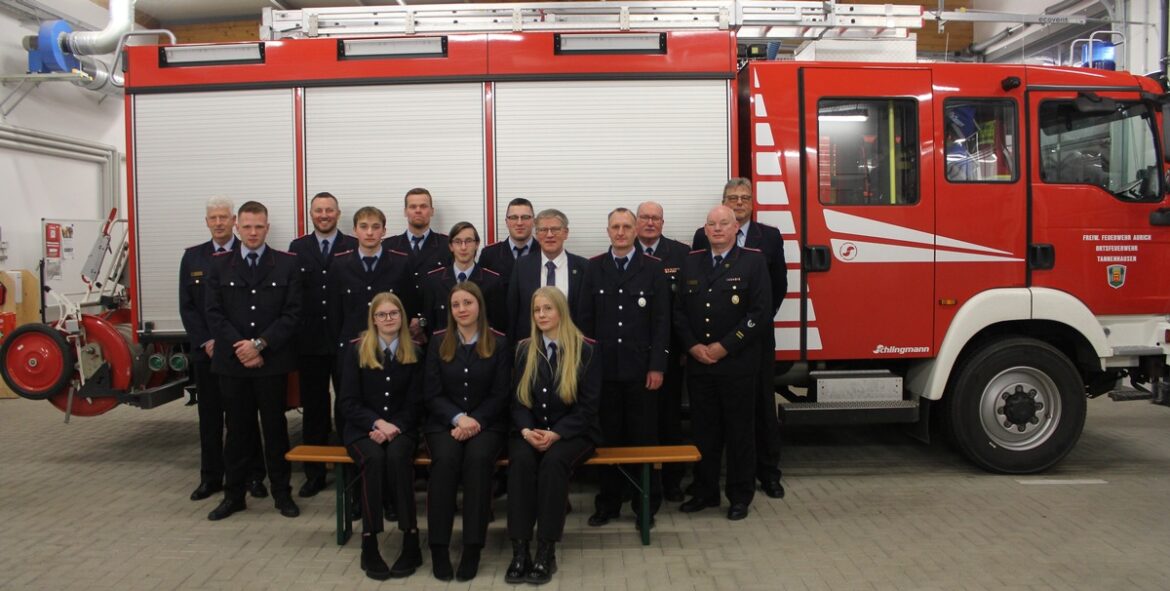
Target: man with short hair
x=625 y=306
x=253 y=309
x=428 y=249
x=553 y=266
x=737 y=195
x=317 y=354
x=193 y=270
x=673 y=254
x=721 y=316
x=360 y=274
x=501 y=256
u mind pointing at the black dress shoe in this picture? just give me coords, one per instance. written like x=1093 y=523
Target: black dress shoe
x=206 y=489
x=737 y=511
x=601 y=517
x=521 y=563
x=372 y=563
x=468 y=563
x=673 y=494
x=773 y=489
x=225 y=509
x=287 y=506
x=257 y=490
x=544 y=564
x=311 y=487
x=697 y=504
x=409 y=559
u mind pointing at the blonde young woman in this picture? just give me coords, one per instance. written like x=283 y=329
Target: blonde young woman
x=379 y=399
x=466 y=393
x=556 y=391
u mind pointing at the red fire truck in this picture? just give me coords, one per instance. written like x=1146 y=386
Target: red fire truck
x=979 y=242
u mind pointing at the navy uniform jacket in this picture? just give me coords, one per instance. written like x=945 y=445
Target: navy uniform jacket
x=548 y=411
x=193 y=271
x=628 y=313
x=312 y=336
x=767 y=240
x=525 y=280
x=500 y=258
x=242 y=305
x=352 y=288
x=393 y=394
x=435 y=253
x=436 y=291
x=467 y=384
x=728 y=304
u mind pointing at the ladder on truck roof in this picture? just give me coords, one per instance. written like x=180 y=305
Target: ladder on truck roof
x=771 y=19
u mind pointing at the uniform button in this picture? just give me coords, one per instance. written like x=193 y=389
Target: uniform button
x=324 y=318
x=464 y=384
x=196 y=282
x=253 y=307
x=708 y=335
x=708 y=304
x=324 y=271
x=619 y=324
x=253 y=291
x=619 y=339
x=252 y=324
x=322 y=302
x=385 y=408
x=232 y=283
x=619 y=307
x=543 y=405
x=387 y=395
x=707 y=319
x=708 y=291
x=465 y=370
x=544 y=389
x=369 y=287
x=464 y=399
x=387 y=378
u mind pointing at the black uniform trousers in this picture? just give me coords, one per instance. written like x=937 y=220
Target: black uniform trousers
x=211 y=460
x=670 y=421
x=314 y=373
x=386 y=468
x=628 y=416
x=472 y=463
x=243 y=397
x=538 y=486
x=721 y=411
x=767 y=422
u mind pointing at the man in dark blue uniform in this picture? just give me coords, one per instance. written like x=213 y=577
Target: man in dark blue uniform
x=552 y=266
x=428 y=249
x=501 y=256
x=358 y=275
x=318 y=355
x=436 y=288
x=625 y=307
x=721 y=315
x=253 y=309
x=673 y=254
x=737 y=195
x=192 y=282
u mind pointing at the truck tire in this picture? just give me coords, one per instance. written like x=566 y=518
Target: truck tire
x=1017 y=406
x=36 y=361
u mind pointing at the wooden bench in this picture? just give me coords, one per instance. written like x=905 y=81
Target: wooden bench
x=646 y=457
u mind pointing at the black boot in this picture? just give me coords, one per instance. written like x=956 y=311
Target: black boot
x=544 y=566
x=468 y=563
x=409 y=558
x=521 y=563
x=372 y=562
x=441 y=563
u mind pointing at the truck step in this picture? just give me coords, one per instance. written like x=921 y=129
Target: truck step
x=848 y=413
x=857 y=386
x=1129 y=394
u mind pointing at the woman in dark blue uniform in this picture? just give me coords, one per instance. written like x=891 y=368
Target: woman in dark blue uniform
x=466 y=393
x=556 y=391
x=381 y=391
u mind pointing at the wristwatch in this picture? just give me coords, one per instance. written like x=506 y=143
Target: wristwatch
x=259 y=344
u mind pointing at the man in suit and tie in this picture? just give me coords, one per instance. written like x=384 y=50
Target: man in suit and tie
x=317 y=354
x=501 y=256
x=552 y=267
x=193 y=271
x=360 y=274
x=428 y=249
x=253 y=309
x=737 y=195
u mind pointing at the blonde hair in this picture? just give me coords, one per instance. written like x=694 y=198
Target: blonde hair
x=569 y=344
x=370 y=355
x=486 y=343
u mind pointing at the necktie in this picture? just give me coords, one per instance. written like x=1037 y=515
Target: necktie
x=369 y=262
x=552 y=355
x=219 y=249
x=621 y=264
x=415 y=241
x=519 y=250
x=550 y=279
x=252 y=258
x=739 y=237
x=325 y=248
x=718 y=259
x=462 y=277
x=387 y=354
x=649 y=251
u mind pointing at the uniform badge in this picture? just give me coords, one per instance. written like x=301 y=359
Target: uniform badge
x=735 y=298
x=1116 y=275
x=641 y=302
x=751 y=324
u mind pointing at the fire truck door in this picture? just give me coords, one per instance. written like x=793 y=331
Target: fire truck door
x=868 y=250
x=1095 y=180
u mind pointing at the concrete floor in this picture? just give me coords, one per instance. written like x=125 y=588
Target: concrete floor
x=102 y=504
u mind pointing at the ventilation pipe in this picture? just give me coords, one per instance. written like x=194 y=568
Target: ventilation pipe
x=57 y=46
x=105 y=40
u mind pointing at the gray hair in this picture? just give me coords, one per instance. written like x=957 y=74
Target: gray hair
x=220 y=202
x=737 y=182
x=553 y=213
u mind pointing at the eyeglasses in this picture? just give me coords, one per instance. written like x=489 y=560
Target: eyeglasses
x=517 y=218
x=550 y=230
x=650 y=218
x=387 y=315
x=737 y=198
x=464 y=241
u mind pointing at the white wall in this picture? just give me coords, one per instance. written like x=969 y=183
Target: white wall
x=35 y=186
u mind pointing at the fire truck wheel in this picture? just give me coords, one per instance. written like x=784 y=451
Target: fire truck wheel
x=36 y=361
x=1017 y=406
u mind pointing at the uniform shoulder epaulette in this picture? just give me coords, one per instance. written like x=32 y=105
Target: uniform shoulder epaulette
x=487 y=270
x=342 y=253
x=523 y=342
x=750 y=249
x=284 y=252
x=436 y=270
x=588 y=340
x=697 y=251
x=397 y=252
x=652 y=257
x=496 y=243
x=194 y=246
x=497 y=332
x=219 y=254
x=439 y=332
x=595 y=257
x=354 y=341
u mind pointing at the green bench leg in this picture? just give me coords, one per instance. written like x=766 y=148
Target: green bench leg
x=645 y=517
x=344 y=527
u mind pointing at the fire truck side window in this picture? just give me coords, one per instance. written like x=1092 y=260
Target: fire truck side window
x=980 y=141
x=867 y=151
x=1112 y=149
